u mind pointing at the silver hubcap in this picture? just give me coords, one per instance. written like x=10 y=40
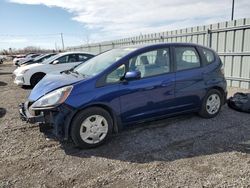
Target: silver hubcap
x=94 y=129
x=213 y=104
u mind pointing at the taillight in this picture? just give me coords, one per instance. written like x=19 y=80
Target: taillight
x=222 y=67
x=222 y=70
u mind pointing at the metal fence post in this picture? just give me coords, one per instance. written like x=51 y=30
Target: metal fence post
x=162 y=38
x=209 y=38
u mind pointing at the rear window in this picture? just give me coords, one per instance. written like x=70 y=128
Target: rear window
x=209 y=55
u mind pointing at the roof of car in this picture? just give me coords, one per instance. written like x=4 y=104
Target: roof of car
x=160 y=44
x=76 y=52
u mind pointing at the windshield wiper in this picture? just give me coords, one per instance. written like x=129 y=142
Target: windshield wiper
x=70 y=71
x=65 y=71
x=74 y=71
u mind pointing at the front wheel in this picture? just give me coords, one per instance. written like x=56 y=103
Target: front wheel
x=91 y=127
x=211 y=104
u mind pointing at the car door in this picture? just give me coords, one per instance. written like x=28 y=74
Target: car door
x=189 y=87
x=152 y=95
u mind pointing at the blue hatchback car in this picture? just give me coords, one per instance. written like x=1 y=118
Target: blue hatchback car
x=125 y=86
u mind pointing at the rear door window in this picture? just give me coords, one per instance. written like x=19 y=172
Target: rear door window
x=186 y=58
x=73 y=58
x=83 y=57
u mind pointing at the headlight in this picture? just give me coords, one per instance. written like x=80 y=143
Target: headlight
x=24 y=71
x=53 y=98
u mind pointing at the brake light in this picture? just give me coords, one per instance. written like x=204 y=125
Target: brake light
x=222 y=70
x=222 y=67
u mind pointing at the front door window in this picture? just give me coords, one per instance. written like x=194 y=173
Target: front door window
x=151 y=63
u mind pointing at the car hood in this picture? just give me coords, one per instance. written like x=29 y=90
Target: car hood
x=51 y=82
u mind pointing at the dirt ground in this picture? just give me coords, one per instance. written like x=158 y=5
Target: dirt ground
x=181 y=151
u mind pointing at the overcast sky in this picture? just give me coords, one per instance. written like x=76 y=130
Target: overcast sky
x=40 y=22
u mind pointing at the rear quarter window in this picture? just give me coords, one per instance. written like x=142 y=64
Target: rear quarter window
x=209 y=55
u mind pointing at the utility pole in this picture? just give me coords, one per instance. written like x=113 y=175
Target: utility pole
x=62 y=42
x=55 y=46
x=232 y=15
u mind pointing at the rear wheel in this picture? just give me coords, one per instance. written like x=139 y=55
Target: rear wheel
x=91 y=127
x=36 y=78
x=211 y=104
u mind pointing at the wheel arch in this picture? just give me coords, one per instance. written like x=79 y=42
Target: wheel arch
x=116 y=120
x=222 y=91
x=34 y=74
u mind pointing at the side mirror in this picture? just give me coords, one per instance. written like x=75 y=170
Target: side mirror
x=55 y=62
x=132 y=75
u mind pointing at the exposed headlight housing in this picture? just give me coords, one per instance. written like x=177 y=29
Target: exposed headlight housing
x=53 y=98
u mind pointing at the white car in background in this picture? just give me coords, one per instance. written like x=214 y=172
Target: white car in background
x=32 y=74
x=27 y=57
x=18 y=58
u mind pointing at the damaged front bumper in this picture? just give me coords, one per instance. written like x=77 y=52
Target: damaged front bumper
x=26 y=116
x=59 y=118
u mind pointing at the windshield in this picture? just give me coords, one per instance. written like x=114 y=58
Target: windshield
x=99 y=63
x=43 y=57
x=51 y=59
x=39 y=57
x=28 y=55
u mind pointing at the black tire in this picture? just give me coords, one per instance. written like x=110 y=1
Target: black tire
x=80 y=118
x=36 y=78
x=204 y=111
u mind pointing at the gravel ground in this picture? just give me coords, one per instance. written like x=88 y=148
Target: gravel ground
x=181 y=151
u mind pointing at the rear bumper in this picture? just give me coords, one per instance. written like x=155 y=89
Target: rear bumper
x=59 y=118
